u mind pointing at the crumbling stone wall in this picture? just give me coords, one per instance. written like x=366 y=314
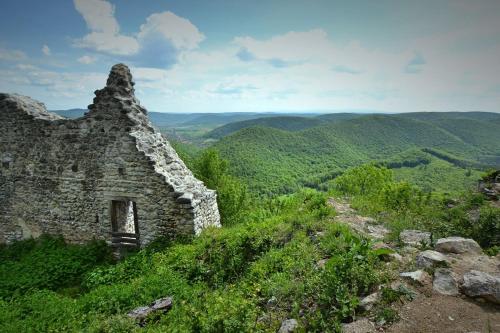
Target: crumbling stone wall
x=60 y=176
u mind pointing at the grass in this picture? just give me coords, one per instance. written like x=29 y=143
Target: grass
x=222 y=281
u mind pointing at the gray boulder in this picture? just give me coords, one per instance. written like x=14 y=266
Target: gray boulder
x=140 y=313
x=457 y=245
x=162 y=304
x=430 y=259
x=288 y=326
x=480 y=284
x=420 y=277
x=369 y=301
x=415 y=237
x=445 y=282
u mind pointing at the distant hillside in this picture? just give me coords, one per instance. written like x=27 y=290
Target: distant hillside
x=285 y=122
x=340 y=116
x=288 y=123
x=438 y=116
x=71 y=113
x=274 y=160
x=164 y=119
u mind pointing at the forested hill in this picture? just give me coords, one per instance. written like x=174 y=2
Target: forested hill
x=288 y=123
x=276 y=160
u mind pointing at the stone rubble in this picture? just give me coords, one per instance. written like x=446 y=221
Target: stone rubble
x=445 y=282
x=420 y=277
x=447 y=263
x=483 y=285
x=430 y=259
x=457 y=245
x=368 y=302
x=140 y=313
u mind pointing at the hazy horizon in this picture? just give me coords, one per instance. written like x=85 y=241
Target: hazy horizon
x=275 y=56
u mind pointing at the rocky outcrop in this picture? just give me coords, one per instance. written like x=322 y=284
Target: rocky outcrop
x=107 y=173
x=480 y=284
x=445 y=282
x=420 y=277
x=430 y=259
x=368 y=302
x=457 y=245
x=160 y=305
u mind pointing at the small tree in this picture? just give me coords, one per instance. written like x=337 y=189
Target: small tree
x=232 y=195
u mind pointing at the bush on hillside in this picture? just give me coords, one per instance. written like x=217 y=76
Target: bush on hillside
x=366 y=179
x=232 y=195
x=48 y=263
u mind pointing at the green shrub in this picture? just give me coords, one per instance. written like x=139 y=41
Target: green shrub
x=487 y=229
x=48 y=263
x=363 y=180
x=349 y=272
x=232 y=195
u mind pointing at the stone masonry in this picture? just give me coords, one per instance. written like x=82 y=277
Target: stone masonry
x=105 y=173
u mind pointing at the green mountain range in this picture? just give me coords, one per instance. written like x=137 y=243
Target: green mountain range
x=276 y=155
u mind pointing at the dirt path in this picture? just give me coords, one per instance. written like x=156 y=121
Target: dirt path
x=430 y=311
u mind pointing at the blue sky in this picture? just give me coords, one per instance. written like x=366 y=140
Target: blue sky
x=210 y=56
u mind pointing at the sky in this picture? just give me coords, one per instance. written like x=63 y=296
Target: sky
x=263 y=55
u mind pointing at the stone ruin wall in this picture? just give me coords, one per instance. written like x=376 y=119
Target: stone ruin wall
x=59 y=176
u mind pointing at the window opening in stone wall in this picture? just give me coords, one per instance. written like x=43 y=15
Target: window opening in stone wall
x=124 y=216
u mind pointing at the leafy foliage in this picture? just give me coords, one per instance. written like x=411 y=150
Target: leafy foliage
x=232 y=196
x=47 y=263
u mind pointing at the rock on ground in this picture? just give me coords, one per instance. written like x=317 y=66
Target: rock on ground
x=457 y=245
x=420 y=277
x=445 y=282
x=369 y=301
x=480 y=284
x=140 y=312
x=430 y=258
x=288 y=326
x=415 y=237
x=162 y=304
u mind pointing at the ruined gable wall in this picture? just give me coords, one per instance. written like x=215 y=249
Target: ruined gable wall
x=59 y=176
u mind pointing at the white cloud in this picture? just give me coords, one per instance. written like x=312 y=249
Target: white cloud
x=99 y=15
x=104 y=35
x=46 y=50
x=179 y=31
x=86 y=59
x=109 y=43
x=159 y=42
x=292 y=46
x=12 y=55
x=56 y=89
